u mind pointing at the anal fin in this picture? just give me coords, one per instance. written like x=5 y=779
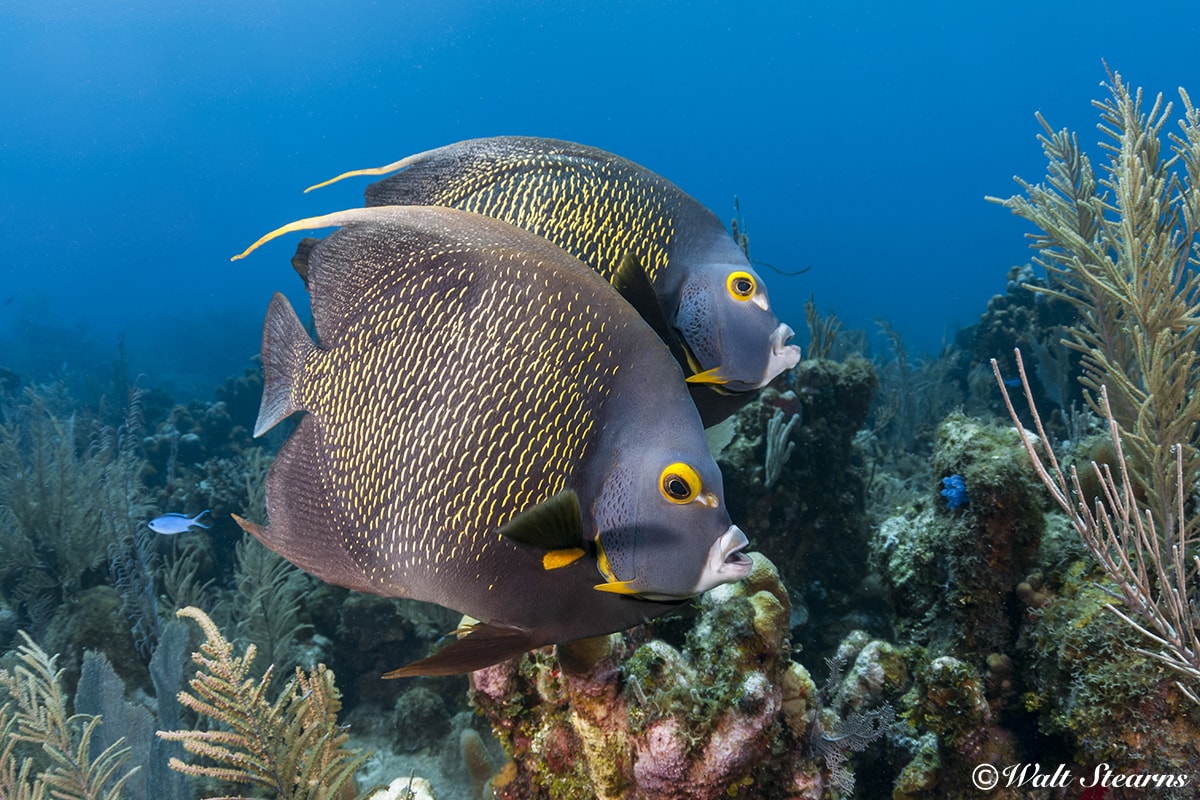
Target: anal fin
x=484 y=646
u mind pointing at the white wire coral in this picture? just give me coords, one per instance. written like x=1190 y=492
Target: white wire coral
x=1150 y=568
x=779 y=449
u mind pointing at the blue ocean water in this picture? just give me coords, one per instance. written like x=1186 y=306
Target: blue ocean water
x=144 y=143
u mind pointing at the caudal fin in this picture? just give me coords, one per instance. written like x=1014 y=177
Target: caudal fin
x=285 y=346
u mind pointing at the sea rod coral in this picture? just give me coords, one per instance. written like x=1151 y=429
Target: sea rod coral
x=290 y=746
x=1122 y=249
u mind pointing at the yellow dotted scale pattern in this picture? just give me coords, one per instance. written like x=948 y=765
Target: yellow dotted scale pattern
x=456 y=397
x=599 y=211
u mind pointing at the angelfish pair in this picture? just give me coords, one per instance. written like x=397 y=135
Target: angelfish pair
x=667 y=254
x=490 y=428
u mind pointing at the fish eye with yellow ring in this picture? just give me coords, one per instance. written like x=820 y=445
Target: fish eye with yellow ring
x=679 y=483
x=741 y=285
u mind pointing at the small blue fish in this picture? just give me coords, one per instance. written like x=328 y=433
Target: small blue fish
x=170 y=524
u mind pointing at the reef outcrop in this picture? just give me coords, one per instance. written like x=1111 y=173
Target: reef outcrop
x=724 y=715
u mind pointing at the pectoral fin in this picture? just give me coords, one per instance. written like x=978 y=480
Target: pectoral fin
x=554 y=524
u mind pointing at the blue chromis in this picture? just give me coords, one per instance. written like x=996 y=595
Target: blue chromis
x=668 y=254
x=172 y=523
x=488 y=428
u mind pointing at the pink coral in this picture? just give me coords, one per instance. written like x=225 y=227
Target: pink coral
x=654 y=722
x=661 y=758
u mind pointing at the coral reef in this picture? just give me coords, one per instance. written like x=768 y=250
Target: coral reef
x=953 y=573
x=374 y=635
x=811 y=521
x=954 y=576
x=1027 y=318
x=1090 y=683
x=726 y=714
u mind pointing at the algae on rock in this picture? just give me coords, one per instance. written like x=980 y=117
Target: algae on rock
x=726 y=714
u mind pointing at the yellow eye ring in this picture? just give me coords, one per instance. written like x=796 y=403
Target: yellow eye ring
x=741 y=285
x=679 y=483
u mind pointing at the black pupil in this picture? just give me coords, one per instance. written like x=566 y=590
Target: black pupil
x=743 y=286
x=676 y=487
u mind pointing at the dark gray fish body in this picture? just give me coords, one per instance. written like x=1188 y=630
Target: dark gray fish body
x=469 y=374
x=604 y=209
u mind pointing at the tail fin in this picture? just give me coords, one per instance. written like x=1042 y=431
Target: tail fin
x=285 y=345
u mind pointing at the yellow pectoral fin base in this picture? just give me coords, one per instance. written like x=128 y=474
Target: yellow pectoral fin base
x=712 y=376
x=556 y=559
x=616 y=587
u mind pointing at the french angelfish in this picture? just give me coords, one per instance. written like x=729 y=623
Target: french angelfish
x=630 y=225
x=488 y=429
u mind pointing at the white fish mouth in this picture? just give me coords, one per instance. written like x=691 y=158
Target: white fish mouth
x=783 y=355
x=726 y=561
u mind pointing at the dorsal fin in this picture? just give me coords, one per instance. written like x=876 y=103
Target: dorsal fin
x=386 y=169
x=334 y=220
